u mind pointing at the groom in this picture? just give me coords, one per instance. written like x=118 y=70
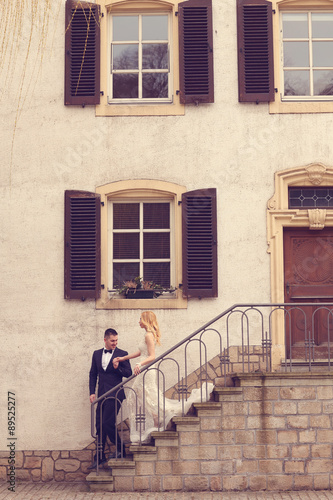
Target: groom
x=108 y=376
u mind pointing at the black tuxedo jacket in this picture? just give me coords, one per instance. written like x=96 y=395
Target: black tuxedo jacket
x=110 y=377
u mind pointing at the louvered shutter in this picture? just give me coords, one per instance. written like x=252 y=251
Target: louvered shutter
x=255 y=51
x=196 y=52
x=199 y=243
x=82 y=245
x=82 y=53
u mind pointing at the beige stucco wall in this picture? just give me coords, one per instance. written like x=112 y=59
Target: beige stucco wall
x=47 y=342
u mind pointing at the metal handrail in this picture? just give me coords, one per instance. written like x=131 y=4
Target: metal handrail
x=159 y=358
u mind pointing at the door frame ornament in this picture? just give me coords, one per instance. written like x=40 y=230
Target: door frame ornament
x=280 y=216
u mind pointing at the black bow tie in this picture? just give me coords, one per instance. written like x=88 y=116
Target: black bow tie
x=110 y=351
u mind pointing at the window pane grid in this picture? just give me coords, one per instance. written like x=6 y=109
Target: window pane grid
x=141 y=249
x=124 y=272
x=126 y=216
x=148 y=79
x=126 y=246
x=321 y=197
x=158 y=273
x=315 y=78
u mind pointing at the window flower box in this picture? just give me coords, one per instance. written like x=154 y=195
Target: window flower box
x=140 y=294
x=138 y=288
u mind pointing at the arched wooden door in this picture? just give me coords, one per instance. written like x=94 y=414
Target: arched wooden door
x=308 y=277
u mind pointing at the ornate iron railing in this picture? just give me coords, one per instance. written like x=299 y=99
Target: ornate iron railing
x=241 y=339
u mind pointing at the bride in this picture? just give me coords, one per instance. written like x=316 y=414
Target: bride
x=145 y=406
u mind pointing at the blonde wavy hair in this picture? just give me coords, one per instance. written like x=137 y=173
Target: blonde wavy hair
x=150 y=324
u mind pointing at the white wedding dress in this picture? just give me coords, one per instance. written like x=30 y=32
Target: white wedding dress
x=145 y=400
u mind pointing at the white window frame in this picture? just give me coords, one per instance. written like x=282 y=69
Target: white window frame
x=152 y=190
x=144 y=108
x=280 y=105
x=309 y=39
x=140 y=72
x=140 y=230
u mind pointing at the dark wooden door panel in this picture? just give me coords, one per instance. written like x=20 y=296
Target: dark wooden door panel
x=308 y=275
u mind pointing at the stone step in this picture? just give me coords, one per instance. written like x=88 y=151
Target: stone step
x=165 y=438
x=207 y=409
x=143 y=452
x=101 y=481
x=225 y=381
x=125 y=474
x=228 y=393
x=186 y=423
x=122 y=467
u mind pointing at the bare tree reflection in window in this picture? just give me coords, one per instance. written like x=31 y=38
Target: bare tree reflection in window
x=125 y=56
x=154 y=85
x=296 y=83
x=323 y=83
x=125 y=86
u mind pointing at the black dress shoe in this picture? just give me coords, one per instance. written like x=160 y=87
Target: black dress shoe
x=94 y=464
x=116 y=454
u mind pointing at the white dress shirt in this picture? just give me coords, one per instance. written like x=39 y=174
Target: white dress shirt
x=106 y=358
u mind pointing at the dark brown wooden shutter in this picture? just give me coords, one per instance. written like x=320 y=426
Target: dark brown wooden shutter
x=255 y=51
x=196 y=51
x=82 y=245
x=82 y=53
x=199 y=243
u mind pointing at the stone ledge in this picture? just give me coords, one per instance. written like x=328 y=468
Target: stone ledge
x=228 y=390
x=208 y=408
x=121 y=464
x=165 y=434
x=165 y=438
x=186 y=420
x=278 y=379
x=123 y=470
x=136 y=448
x=186 y=424
x=229 y=393
x=101 y=482
x=143 y=453
x=102 y=477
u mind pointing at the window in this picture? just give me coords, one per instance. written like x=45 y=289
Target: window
x=285 y=54
x=307 y=45
x=152 y=229
x=310 y=197
x=139 y=57
x=140 y=242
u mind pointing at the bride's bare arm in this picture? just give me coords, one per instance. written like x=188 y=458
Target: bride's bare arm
x=149 y=339
x=118 y=360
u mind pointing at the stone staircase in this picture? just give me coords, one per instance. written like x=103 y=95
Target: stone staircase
x=268 y=432
x=184 y=458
